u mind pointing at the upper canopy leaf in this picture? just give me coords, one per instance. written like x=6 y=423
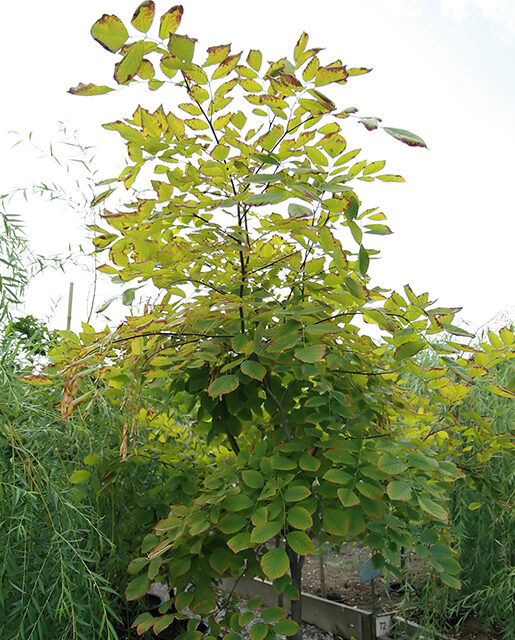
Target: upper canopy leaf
x=110 y=32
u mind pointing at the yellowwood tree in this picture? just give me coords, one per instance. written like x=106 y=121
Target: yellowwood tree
x=312 y=432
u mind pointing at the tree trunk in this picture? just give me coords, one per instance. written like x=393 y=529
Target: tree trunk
x=296 y=564
x=321 y=570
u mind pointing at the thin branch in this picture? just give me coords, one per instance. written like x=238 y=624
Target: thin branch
x=230 y=437
x=289 y=255
x=278 y=404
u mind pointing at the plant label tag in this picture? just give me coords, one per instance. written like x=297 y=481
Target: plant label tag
x=383 y=624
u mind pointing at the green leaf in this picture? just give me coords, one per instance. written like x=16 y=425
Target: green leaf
x=334 y=522
x=347 y=497
x=253 y=479
x=239 y=542
x=258 y=631
x=181 y=47
x=363 y=260
x=220 y=560
x=231 y=523
x=170 y=21
x=337 y=476
x=137 y=588
x=238 y=502
x=269 y=197
x=79 y=476
x=254 y=603
x=245 y=618
x=223 y=385
x=432 y=508
x=281 y=463
x=299 y=518
x=301 y=543
x=407 y=137
x=299 y=211
x=388 y=177
x=128 y=296
x=129 y=66
x=143 y=622
x=373 y=167
x=357 y=523
x=450 y=581
x=136 y=565
x=311 y=354
x=474 y=506
x=144 y=15
x=89 y=89
x=273 y=614
x=163 y=623
x=110 y=32
x=357 y=289
x=372 y=491
x=409 y=349
x=275 y=563
x=391 y=465
x=286 y=628
x=296 y=493
x=253 y=369
x=263 y=532
x=309 y=463
x=398 y=490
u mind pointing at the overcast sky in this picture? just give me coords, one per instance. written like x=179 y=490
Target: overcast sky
x=441 y=68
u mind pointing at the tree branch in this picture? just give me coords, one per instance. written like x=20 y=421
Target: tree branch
x=278 y=404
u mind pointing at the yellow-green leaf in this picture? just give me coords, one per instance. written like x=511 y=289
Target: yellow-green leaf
x=300 y=542
x=143 y=16
x=254 y=59
x=216 y=54
x=129 y=65
x=225 y=67
x=79 y=476
x=264 y=532
x=89 y=89
x=181 y=47
x=275 y=563
x=170 y=21
x=110 y=32
x=299 y=518
x=239 y=542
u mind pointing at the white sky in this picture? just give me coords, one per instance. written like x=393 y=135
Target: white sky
x=442 y=69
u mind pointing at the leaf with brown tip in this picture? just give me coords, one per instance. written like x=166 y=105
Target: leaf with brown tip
x=170 y=21
x=89 y=89
x=144 y=15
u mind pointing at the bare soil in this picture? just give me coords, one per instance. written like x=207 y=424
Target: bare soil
x=343 y=584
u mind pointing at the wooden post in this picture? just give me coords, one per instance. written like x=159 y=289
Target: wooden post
x=70 y=302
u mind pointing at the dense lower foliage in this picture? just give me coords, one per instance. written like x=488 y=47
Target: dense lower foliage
x=304 y=427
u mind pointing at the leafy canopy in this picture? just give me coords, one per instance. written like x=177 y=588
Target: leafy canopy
x=252 y=231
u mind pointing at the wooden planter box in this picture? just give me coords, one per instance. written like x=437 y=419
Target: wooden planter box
x=334 y=617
